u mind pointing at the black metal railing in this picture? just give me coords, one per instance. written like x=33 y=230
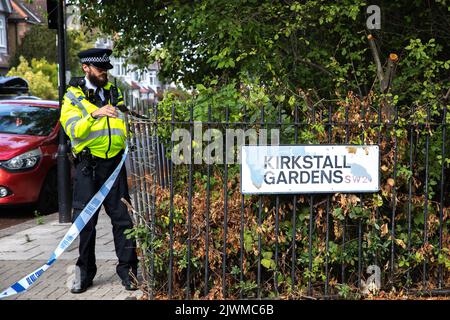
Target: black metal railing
x=200 y=237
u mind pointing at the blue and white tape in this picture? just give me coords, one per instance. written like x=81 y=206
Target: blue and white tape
x=75 y=229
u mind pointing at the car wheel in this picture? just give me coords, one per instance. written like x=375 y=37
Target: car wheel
x=48 y=197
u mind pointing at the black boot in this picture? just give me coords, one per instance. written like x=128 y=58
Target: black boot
x=79 y=285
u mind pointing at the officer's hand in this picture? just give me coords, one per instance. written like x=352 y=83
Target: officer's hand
x=107 y=110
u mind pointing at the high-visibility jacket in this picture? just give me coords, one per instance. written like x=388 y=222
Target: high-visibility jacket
x=105 y=137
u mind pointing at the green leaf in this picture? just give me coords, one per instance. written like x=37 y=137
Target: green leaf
x=268 y=263
x=337 y=213
x=291 y=101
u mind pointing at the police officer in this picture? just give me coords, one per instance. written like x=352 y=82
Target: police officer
x=97 y=131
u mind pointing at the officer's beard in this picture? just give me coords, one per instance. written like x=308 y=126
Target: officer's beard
x=98 y=81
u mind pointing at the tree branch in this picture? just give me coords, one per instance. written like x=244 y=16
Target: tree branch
x=317 y=66
x=376 y=57
x=356 y=79
x=447 y=95
x=389 y=75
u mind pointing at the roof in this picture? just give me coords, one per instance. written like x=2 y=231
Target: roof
x=134 y=85
x=154 y=66
x=146 y=90
x=30 y=12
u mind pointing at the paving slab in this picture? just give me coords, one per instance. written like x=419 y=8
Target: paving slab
x=27 y=246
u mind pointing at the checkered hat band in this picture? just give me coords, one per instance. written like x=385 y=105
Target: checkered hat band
x=94 y=59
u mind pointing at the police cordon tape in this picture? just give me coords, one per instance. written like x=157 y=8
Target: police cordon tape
x=75 y=229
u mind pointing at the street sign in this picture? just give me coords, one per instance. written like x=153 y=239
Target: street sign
x=309 y=169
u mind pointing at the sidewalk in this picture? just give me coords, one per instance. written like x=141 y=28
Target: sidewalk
x=27 y=246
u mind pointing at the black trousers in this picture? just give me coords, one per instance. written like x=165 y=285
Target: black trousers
x=87 y=182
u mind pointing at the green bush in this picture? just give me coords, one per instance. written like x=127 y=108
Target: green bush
x=40 y=75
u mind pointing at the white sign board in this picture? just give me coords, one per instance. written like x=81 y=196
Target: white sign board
x=309 y=169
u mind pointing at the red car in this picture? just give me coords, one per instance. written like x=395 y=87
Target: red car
x=28 y=148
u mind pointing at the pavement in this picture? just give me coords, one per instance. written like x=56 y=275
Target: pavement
x=27 y=246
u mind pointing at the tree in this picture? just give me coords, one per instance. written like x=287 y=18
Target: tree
x=284 y=45
x=40 y=42
x=39 y=76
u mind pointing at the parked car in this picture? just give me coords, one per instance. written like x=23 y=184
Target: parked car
x=28 y=148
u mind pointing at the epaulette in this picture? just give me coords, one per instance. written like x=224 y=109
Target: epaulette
x=77 y=82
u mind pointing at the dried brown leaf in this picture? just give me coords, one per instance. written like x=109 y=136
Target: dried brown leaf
x=384 y=229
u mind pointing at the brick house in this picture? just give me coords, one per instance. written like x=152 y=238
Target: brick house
x=16 y=18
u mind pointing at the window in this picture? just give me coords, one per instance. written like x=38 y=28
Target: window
x=119 y=68
x=152 y=78
x=28 y=120
x=2 y=32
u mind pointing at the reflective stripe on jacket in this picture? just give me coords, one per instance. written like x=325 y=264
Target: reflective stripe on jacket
x=105 y=136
